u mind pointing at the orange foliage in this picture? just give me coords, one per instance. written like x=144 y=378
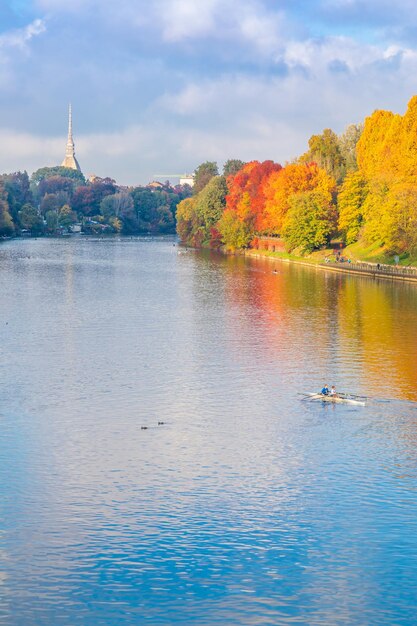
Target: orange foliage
x=247 y=187
x=281 y=186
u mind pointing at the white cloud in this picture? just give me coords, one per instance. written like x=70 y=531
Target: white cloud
x=19 y=38
x=198 y=105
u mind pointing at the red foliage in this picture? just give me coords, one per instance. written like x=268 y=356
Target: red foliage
x=215 y=238
x=250 y=180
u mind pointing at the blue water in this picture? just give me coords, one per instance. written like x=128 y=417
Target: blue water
x=246 y=505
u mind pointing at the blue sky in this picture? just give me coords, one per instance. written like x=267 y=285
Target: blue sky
x=159 y=86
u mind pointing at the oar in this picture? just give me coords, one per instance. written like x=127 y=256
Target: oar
x=317 y=396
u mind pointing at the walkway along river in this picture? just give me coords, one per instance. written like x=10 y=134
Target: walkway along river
x=397 y=272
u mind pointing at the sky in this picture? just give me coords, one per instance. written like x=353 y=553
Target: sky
x=159 y=86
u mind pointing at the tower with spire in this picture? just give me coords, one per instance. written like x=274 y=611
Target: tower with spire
x=70 y=160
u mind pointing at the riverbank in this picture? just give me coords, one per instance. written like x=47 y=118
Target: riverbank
x=325 y=260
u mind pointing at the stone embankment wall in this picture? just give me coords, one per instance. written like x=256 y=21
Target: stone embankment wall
x=374 y=269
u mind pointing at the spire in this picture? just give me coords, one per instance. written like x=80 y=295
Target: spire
x=70 y=160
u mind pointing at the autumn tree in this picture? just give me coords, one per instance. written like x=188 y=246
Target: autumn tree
x=87 y=198
x=53 y=202
x=401 y=217
x=250 y=182
x=351 y=200
x=185 y=219
x=282 y=185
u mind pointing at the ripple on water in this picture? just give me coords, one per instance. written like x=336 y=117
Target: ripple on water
x=246 y=506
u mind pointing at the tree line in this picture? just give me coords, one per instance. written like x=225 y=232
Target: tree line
x=55 y=198
x=358 y=186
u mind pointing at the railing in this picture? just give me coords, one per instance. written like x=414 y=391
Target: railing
x=375 y=268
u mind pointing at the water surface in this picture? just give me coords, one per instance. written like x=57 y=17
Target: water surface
x=247 y=505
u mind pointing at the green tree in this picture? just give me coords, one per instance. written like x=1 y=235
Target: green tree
x=51 y=218
x=235 y=234
x=116 y=205
x=210 y=204
x=325 y=150
x=16 y=186
x=203 y=174
x=348 y=142
x=66 y=216
x=58 y=170
x=30 y=219
x=310 y=221
x=232 y=167
x=6 y=222
x=237 y=227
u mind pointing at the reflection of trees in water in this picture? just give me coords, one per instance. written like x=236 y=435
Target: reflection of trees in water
x=359 y=331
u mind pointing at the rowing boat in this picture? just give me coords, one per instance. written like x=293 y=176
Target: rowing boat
x=339 y=399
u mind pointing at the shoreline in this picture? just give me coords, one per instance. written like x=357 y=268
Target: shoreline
x=361 y=268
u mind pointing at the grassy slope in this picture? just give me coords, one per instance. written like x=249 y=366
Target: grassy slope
x=374 y=253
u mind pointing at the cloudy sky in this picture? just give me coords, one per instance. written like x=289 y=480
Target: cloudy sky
x=158 y=86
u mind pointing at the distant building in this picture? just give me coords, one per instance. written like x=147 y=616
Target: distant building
x=155 y=184
x=187 y=179
x=70 y=160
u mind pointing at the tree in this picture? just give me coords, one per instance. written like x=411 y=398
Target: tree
x=30 y=219
x=58 y=170
x=251 y=181
x=117 y=205
x=56 y=184
x=348 y=142
x=152 y=208
x=166 y=220
x=310 y=221
x=66 y=216
x=237 y=226
x=185 y=216
x=210 y=204
x=325 y=150
x=53 y=202
x=16 y=186
x=295 y=178
x=401 y=217
x=51 y=218
x=6 y=222
x=351 y=199
x=203 y=174
x=232 y=167
x=87 y=198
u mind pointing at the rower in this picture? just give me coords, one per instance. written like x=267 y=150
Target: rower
x=325 y=391
x=333 y=391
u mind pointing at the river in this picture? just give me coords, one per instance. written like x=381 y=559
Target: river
x=156 y=464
